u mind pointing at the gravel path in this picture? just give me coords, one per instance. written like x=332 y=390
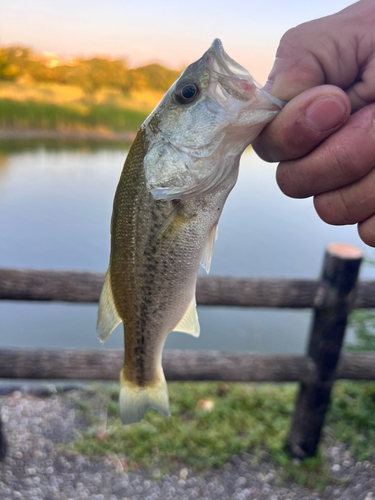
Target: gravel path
x=36 y=469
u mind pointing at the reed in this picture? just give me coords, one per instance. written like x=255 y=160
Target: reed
x=38 y=115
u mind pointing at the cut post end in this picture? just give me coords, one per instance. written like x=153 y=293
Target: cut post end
x=345 y=251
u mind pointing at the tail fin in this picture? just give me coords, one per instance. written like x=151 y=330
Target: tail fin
x=136 y=400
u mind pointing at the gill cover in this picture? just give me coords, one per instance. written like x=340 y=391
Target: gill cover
x=202 y=125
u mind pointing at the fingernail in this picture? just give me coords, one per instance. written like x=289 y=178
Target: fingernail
x=268 y=86
x=325 y=113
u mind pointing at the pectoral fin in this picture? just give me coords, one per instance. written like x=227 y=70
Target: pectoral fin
x=171 y=228
x=209 y=248
x=189 y=323
x=108 y=317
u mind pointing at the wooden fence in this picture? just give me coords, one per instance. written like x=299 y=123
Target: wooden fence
x=332 y=298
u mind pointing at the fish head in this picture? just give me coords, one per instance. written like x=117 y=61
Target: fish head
x=199 y=130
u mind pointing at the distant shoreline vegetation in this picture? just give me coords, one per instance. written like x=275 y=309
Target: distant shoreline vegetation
x=46 y=92
x=90 y=74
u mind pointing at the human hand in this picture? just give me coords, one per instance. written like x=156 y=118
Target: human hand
x=326 y=70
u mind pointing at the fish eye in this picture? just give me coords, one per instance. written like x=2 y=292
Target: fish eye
x=186 y=92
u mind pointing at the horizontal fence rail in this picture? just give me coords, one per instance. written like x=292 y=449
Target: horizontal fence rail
x=332 y=298
x=85 y=287
x=178 y=365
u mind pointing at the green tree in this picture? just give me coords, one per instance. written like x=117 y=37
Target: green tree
x=8 y=70
x=90 y=74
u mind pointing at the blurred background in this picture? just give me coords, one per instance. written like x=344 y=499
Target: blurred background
x=77 y=79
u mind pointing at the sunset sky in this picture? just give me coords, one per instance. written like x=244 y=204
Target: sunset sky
x=172 y=32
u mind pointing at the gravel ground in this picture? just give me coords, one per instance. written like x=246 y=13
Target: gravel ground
x=36 y=469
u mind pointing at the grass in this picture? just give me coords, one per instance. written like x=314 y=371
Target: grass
x=243 y=417
x=362 y=321
x=12 y=146
x=34 y=115
x=63 y=107
x=351 y=418
x=192 y=435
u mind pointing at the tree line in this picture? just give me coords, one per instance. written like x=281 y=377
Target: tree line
x=91 y=74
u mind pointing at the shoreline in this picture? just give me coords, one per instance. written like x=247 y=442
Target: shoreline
x=79 y=135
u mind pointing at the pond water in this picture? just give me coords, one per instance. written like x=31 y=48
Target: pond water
x=55 y=209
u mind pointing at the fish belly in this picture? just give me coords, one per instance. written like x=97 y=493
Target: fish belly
x=156 y=249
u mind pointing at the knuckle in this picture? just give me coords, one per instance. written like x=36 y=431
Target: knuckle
x=295 y=37
x=289 y=39
x=366 y=231
x=263 y=148
x=284 y=180
x=282 y=140
x=292 y=181
x=333 y=208
x=345 y=162
x=296 y=138
x=278 y=141
x=289 y=36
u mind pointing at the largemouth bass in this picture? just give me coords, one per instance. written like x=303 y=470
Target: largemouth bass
x=178 y=173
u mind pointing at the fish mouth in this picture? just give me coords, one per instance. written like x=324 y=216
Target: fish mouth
x=227 y=65
x=233 y=79
x=228 y=79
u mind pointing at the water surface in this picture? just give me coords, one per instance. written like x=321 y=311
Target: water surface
x=55 y=209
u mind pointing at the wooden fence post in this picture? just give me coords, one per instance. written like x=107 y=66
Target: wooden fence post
x=333 y=305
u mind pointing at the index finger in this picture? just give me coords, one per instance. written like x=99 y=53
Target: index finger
x=328 y=50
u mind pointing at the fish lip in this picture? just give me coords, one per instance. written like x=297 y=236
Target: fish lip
x=233 y=69
x=230 y=67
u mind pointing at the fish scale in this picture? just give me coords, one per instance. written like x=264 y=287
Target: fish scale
x=176 y=178
x=141 y=280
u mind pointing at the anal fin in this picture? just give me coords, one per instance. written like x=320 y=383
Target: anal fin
x=108 y=317
x=189 y=322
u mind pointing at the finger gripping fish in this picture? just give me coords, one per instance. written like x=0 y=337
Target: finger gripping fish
x=178 y=173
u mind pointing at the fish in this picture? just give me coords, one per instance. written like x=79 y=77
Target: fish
x=177 y=176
